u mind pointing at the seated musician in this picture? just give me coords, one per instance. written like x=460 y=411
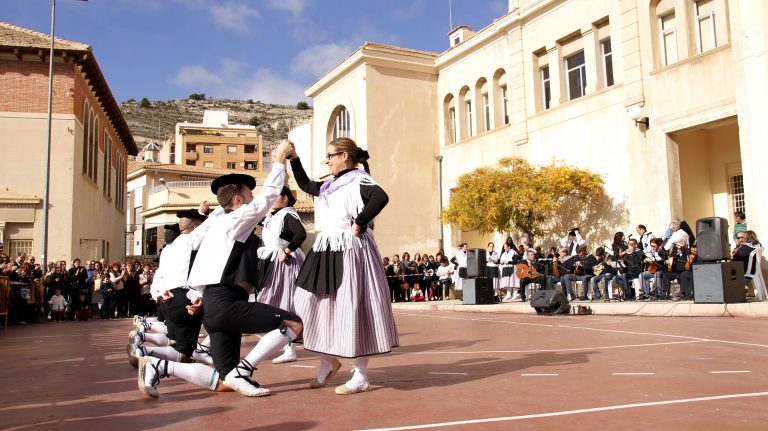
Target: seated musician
x=561 y=265
x=631 y=264
x=645 y=237
x=583 y=265
x=653 y=260
x=746 y=243
x=679 y=268
x=492 y=256
x=444 y=274
x=534 y=270
x=573 y=241
x=604 y=270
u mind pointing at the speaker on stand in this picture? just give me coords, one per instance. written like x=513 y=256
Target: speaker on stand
x=477 y=288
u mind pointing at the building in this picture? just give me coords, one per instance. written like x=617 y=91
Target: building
x=662 y=98
x=156 y=191
x=90 y=145
x=215 y=143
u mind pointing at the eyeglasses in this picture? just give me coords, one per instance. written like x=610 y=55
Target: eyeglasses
x=741 y=237
x=328 y=156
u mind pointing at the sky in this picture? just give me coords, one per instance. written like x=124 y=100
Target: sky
x=266 y=50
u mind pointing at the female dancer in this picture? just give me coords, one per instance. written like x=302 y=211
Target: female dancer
x=343 y=295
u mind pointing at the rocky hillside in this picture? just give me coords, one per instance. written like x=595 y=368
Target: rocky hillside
x=155 y=120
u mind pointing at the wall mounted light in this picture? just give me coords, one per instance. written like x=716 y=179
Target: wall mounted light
x=636 y=113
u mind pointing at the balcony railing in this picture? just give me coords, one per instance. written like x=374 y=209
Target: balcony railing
x=187 y=185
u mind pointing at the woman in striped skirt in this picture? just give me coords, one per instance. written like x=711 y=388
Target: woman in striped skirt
x=343 y=295
x=282 y=234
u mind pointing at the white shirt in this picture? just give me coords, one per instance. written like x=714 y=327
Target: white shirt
x=215 y=242
x=566 y=242
x=676 y=236
x=174 y=266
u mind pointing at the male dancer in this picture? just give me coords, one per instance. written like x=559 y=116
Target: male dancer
x=217 y=271
x=171 y=280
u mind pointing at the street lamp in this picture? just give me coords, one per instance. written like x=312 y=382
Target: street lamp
x=46 y=196
x=439 y=160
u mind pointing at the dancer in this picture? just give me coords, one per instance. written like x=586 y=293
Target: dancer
x=223 y=264
x=282 y=234
x=343 y=295
x=171 y=281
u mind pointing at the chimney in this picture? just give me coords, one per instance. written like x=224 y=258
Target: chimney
x=460 y=34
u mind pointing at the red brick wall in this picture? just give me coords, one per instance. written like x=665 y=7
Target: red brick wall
x=24 y=86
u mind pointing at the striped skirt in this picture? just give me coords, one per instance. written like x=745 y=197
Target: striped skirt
x=356 y=319
x=280 y=284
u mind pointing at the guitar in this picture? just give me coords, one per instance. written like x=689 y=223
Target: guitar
x=523 y=270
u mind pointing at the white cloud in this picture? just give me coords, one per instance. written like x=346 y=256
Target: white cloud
x=232 y=80
x=234 y=16
x=295 y=7
x=318 y=59
x=414 y=10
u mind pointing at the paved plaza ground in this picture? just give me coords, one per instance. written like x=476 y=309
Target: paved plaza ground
x=454 y=371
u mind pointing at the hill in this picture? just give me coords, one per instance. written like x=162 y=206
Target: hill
x=156 y=120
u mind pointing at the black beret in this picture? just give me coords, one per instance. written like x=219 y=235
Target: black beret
x=233 y=179
x=191 y=214
x=173 y=227
x=287 y=192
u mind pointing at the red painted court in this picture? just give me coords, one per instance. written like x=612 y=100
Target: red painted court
x=454 y=371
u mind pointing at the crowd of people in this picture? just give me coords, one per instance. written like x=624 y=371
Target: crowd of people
x=79 y=291
x=658 y=263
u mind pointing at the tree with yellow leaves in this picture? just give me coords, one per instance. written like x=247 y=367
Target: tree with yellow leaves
x=516 y=195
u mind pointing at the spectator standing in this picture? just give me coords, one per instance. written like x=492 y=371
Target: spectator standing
x=741 y=223
x=117 y=276
x=58 y=304
x=147 y=306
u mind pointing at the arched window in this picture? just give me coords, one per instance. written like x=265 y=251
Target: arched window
x=466 y=115
x=86 y=142
x=340 y=125
x=449 y=116
x=483 y=104
x=501 y=98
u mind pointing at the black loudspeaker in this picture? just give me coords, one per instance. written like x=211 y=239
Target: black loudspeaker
x=476 y=262
x=718 y=283
x=550 y=302
x=477 y=291
x=712 y=239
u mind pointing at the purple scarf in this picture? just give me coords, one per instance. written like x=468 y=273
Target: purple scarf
x=336 y=183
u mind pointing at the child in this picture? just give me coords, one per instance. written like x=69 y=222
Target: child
x=58 y=305
x=444 y=274
x=416 y=294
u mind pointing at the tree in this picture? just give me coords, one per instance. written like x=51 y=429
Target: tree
x=516 y=195
x=254 y=121
x=145 y=103
x=302 y=106
x=197 y=96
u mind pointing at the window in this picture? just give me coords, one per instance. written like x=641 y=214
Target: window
x=341 y=124
x=705 y=25
x=504 y=100
x=107 y=175
x=191 y=163
x=14 y=246
x=105 y=248
x=231 y=165
x=207 y=164
x=208 y=149
x=86 y=146
x=736 y=184
x=577 y=77
x=191 y=148
x=120 y=174
x=90 y=142
x=468 y=114
x=265 y=154
x=452 y=119
x=486 y=112
x=607 y=62
x=250 y=165
x=265 y=165
x=546 y=90
x=668 y=39
x=249 y=149
x=231 y=149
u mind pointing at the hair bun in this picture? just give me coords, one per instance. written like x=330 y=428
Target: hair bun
x=363 y=154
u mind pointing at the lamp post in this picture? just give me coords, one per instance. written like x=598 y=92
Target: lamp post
x=46 y=196
x=439 y=160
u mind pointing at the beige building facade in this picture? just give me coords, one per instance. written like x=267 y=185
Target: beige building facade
x=90 y=145
x=661 y=98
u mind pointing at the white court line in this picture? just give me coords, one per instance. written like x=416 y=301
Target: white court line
x=447 y=374
x=632 y=374
x=552 y=350
x=588 y=329
x=539 y=374
x=302 y=366
x=730 y=372
x=571 y=412
x=59 y=361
